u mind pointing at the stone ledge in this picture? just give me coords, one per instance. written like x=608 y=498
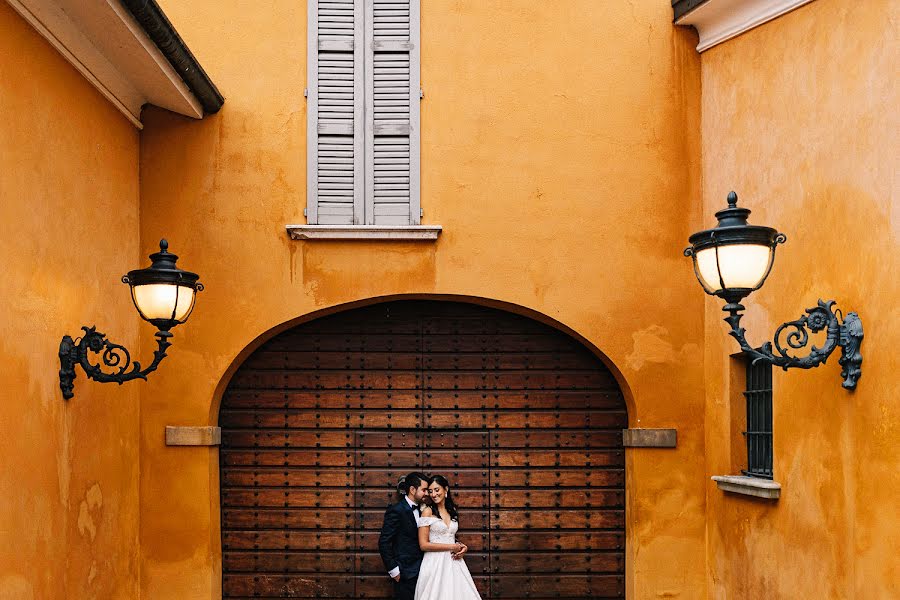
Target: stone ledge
x=749 y=486
x=649 y=438
x=409 y=233
x=193 y=436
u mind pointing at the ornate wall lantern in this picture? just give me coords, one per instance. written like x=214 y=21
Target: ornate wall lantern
x=734 y=259
x=163 y=295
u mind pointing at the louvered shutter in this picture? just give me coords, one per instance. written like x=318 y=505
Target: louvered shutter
x=335 y=128
x=392 y=119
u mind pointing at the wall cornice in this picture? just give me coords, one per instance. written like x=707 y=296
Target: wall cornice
x=719 y=20
x=111 y=45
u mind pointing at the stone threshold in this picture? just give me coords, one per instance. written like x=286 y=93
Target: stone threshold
x=408 y=233
x=749 y=486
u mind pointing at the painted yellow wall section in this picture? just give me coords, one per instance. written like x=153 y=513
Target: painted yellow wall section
x=800 y=118
x=562 y=154
x=68 y=231
x=560 y=142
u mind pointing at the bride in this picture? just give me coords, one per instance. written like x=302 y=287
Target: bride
x=443 y=574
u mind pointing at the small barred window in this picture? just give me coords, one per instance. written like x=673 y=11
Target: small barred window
x=759 y=419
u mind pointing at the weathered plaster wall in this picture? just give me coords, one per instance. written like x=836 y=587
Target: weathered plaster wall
x=68 y=231
x=800 y=118
x=560 y=142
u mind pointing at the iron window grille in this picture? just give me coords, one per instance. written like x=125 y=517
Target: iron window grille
x=758 y=435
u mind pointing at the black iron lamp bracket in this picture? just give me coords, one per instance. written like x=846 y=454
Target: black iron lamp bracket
x=846 y=332
x=75 y=352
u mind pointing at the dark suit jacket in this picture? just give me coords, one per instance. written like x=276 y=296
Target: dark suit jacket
x=399 y=541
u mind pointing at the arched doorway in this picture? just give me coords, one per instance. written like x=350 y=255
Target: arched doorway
x=320 y=422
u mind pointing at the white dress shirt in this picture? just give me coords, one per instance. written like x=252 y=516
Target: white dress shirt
x=396 y=570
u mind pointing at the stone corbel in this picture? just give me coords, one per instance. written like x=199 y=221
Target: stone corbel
x=649 y=438
x=193 y=436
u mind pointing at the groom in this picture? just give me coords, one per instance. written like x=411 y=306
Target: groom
x=399 y=541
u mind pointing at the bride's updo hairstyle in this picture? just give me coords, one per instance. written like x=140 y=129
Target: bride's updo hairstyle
x=448 y=501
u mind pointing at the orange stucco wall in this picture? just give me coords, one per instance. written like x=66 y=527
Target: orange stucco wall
x=68 y=231
x=800 y=118
x=568 y=153
x=559 y=143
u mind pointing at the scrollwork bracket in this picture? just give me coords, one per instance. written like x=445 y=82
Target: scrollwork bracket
x=847 y=335
x=112 y=355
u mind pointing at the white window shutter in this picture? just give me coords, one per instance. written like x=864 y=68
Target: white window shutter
x=335 y=127
x=392 y=121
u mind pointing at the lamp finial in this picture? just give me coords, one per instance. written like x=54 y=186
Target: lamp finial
x=732 y=199
x=164 y=243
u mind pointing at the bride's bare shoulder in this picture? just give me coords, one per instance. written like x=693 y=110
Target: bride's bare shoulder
x=426 y=511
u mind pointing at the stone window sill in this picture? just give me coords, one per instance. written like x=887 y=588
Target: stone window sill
x=749 y=486
x=410 y=233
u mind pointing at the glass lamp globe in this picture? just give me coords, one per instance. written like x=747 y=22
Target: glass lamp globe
x=162 y=293
x=734 y=258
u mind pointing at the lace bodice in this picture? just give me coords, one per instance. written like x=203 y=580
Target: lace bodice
x=438 y=532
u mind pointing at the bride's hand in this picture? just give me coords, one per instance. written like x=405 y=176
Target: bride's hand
x=460 y=552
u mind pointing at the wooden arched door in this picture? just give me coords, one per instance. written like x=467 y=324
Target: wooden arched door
x=320 y=422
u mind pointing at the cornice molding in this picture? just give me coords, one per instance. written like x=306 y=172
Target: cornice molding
x=719 y=20
x=117 y=54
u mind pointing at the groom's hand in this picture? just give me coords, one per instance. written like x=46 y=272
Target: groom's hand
x=396 y=578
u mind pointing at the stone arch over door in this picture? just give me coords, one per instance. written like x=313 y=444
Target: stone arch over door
x=319 y=422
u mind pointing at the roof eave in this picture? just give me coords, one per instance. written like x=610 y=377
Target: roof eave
x=159 y=29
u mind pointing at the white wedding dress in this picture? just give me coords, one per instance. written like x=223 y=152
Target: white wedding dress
x=440 y=576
